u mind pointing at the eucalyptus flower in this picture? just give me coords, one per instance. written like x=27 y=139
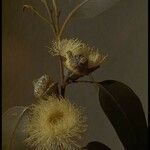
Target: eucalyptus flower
x=79 y=58
x=55 y=124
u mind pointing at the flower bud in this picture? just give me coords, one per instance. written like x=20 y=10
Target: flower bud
x=45 y=87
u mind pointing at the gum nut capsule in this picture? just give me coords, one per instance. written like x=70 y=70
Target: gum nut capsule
x=44 y=87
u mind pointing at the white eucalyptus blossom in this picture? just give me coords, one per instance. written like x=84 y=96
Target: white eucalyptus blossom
x=55 y=124
x=79 y=58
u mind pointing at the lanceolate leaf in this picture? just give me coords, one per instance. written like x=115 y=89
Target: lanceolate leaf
x=13 y=124
x=92 y=8
x=96 y=146
x=125 y=112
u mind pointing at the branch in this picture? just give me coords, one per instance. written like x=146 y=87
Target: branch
x=70 y=15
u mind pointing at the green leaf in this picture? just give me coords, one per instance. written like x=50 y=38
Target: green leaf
x=124 y=110
x=96 y=146
x=13 y=124
x=92 y=8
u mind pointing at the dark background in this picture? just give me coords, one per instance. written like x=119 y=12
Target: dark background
x=121 y=32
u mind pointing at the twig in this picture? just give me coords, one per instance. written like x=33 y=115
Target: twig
x=53 y=20
x=70 y=15
x=92 y=79
x=49 y=11
x=38 y=14
x=56 y=15
x=92 y=82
